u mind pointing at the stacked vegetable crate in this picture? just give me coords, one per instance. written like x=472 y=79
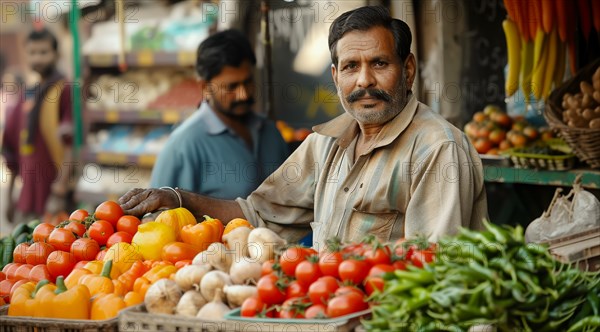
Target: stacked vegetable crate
x=30 y=324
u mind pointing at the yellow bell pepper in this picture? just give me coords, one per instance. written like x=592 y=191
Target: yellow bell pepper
x=94 y=266
x=123 y=256
x=177 y=219
x=72 y=279
x=151 y=237
x=56 y=301
x=133 y=298
x=99 y=283
x=23 y=301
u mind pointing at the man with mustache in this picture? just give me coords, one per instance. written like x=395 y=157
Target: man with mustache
x=388 y=167
x=38 y=135
x=224 y=149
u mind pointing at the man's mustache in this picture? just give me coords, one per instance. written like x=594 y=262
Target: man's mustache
x=375 y=93
x=247 y=102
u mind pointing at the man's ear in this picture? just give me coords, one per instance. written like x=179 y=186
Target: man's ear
x=334 y=75
x=204 y=89
x=410 y=65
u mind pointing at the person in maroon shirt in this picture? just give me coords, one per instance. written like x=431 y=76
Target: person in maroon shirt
x=37 y=135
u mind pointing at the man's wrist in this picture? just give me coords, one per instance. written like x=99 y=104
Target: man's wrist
x=175 y=192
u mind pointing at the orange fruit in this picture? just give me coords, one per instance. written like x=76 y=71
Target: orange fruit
x=482 y=145
x=504 y=145
x=479 y=117
x=497 y=136
x=518 y=140
x=530 y=132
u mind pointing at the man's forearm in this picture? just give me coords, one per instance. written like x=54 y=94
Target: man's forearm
x=201 y=205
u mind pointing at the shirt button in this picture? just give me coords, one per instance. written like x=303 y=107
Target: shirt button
x=346 y=189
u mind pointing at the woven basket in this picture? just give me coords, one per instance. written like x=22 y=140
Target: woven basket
x=35 y=324
x=585 y=142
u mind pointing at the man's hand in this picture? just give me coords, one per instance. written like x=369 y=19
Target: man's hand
x=138 y=202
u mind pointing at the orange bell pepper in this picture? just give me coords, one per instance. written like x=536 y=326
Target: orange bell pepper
x=133 y=298
x=119 y=288
x=106 y=306
x=141 y=285
x=201 y=235
x=128 y=278
x=72 y=279
x=23 y=299
x=99 y=283
x=56 y=301
x=94 y=266
x=159 y=272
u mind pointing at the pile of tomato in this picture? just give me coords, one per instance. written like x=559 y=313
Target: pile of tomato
x=57 y=250
x=303 y=283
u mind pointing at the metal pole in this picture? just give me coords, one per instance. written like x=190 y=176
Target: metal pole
x=77 y=118
x=266 y=39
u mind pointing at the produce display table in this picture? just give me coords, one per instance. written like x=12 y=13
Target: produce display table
x=505 y=174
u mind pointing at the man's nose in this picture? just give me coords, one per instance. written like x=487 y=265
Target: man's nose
x=242 y=92
x=366 y=79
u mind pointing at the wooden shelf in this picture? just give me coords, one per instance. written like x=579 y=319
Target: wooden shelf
x=167 y=116
x=503 y=174
x=143 y=59
x=120 y=159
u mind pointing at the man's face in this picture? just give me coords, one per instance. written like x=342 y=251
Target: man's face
x=41 y=57
x=232 y=91
x=371 y=80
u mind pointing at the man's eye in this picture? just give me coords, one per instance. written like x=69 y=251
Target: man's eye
x=380 y=64
x=350 y=66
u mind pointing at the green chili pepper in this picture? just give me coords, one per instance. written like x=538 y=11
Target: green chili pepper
x=584 y=324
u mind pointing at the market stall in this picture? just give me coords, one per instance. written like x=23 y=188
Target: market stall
x=102 y=270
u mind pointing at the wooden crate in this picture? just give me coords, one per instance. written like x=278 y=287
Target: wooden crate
x=582 y=249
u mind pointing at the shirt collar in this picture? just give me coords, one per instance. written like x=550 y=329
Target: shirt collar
x=345 y=128
x=215 y=126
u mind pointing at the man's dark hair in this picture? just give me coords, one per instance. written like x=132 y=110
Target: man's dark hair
x=225 y=48
x=365 y=18
x=44 y=34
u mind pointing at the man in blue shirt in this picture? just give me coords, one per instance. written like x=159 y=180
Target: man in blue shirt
x=224 y=149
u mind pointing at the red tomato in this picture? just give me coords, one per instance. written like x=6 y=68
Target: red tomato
x=10 y=269
x=109 y=211
x=321 y=290
x=348 y=289
x=295 y=289
x=355 y=249
x=85 y=249
x=20 y=253
x=353 y=270
x=373 y=283
x=118 y=237
x=267 y=267
x=345 y=304
x=422 y=257
x=330 y=262
x=101 y=254
x=42 y=231
x=61 y=239
x=5 y=287
x=76 y=227
x=22 y=273
x=268 y=291
x=252 y=306
x=2 y=276
x=380 y=269
x=402 y=250
x=289 y=308
x=128 y=224
x=38 y=253
x=16 y=285
x=381 y=255
x=316 y=311
x=79 y=215
x=39 y=273
x=100 y=231
x=308 y=272
x=60 y=263
x=290 y=258
x=399 y=265
x=177 y=251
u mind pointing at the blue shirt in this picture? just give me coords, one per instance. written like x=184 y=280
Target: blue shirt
x=205 y=156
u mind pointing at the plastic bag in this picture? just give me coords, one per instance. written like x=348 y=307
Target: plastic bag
x=570 y=214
